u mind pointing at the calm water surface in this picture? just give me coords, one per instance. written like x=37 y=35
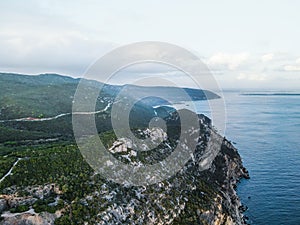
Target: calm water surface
x=266 y=129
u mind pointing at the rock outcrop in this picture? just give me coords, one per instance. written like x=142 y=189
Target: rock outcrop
x=201 y=192
x=43 y=218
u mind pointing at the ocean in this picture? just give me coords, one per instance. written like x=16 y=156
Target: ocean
x=265 y=128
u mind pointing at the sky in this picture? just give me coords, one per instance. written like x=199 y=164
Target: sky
x=245 y=44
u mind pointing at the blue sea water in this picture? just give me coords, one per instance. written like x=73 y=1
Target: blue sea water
x=266 y=131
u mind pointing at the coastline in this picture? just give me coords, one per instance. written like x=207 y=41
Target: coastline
x=226 y=172
x=202 y=192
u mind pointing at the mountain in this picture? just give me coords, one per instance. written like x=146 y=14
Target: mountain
x=46 y=179
x=49 y=95
x=35 y=96
x=54 y=180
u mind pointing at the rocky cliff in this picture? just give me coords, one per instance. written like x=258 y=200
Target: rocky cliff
x=202 y=192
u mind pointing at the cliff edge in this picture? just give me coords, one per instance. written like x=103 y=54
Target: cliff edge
x=202 y=192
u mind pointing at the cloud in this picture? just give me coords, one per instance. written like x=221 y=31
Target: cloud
x=51 y=36
x=36 y=40
x=251 y=77
x=231 y=61
x=64 y=51
x=293 y=67
x=267 y=57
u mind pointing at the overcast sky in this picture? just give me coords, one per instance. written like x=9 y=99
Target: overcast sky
x=252 y=44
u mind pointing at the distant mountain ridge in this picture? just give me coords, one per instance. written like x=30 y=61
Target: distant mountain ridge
x=48 y=95
x=51 y=95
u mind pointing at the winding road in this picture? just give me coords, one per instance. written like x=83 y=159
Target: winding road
x=10 y=171
x=30 y=119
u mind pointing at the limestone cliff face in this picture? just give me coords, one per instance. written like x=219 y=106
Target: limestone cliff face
x=226 y=171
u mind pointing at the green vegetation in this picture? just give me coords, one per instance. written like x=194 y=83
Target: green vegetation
x=47 y=205
x=5 y=164
x=53 y=175
x=49 y=95
x=107 y=138
x=64 y=220
x=19 y=209
x=14 y=135
x=62 y=164
x=40 y=96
